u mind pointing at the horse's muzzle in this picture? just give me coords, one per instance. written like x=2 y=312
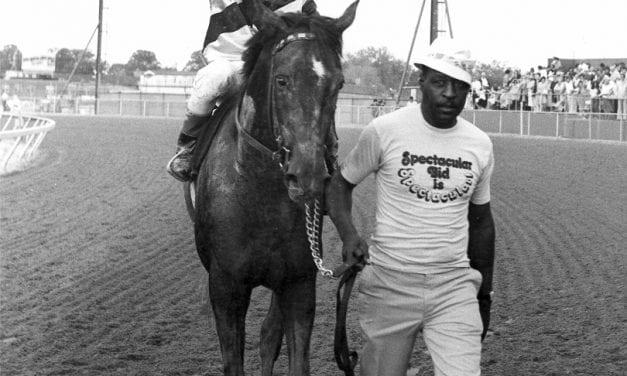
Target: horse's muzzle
x=294 y=191
x=305 y=190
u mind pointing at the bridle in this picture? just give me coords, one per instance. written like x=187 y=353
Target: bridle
x=282 y=153
x=345 y=358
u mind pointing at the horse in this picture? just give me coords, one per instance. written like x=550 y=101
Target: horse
x=263 y=175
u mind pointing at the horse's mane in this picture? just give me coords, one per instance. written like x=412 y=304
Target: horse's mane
x=322 y=27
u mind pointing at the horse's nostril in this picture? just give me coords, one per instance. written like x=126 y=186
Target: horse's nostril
x=294 y=190
x=291 y=178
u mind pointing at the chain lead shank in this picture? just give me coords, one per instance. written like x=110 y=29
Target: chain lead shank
x=313 y=218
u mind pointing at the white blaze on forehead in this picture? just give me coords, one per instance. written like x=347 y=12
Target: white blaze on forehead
x=318 y=68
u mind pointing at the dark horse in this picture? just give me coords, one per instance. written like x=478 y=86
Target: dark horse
x=265 y=164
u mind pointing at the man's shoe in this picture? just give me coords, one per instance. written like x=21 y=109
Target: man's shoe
x=180 y=166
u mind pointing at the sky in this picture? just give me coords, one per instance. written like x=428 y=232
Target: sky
x=519 y=33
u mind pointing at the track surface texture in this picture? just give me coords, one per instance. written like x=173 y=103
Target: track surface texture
x=99 y=274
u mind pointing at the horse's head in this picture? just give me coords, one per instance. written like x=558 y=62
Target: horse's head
x=293 y=75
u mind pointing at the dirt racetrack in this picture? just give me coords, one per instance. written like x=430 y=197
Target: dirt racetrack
x=99 y=276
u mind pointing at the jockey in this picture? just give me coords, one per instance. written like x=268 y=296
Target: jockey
x=230 y=27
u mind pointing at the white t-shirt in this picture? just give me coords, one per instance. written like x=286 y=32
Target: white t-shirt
x=425 y=179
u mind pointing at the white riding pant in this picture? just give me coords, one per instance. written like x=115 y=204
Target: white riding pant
x=211 y=82
x=395 y=307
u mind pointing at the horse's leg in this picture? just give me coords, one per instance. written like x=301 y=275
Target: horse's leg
x=298 y=305
x=230 y=302
x=271 y=337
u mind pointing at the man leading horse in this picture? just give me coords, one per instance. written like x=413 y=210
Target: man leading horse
x=432 y=252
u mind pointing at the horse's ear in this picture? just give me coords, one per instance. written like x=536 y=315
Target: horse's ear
x=263 y=17
x=347 y=18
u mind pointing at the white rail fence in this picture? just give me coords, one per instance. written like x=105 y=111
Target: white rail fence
x=582 y=125
x=20 y=136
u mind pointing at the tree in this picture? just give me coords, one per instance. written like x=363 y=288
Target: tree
x=117 y=75
x=66 y=59
x=10 y=58
x=364 y=76
x=142 y=60
x=196 y=61
x=389 y=69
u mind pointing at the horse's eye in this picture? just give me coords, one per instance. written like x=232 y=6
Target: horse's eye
x=281 y=81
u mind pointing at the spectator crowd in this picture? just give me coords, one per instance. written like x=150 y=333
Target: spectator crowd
x=583 y=88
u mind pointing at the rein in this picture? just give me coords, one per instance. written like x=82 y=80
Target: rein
x=346 y=359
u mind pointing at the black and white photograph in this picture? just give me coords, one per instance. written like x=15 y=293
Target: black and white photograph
x=313 y=187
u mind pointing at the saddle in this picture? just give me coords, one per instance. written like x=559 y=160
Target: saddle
x=209 y=131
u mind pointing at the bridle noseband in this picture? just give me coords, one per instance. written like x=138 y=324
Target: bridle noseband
x=282 y=153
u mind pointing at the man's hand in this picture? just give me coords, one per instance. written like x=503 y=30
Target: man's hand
x=355 y=251
x=485 y=302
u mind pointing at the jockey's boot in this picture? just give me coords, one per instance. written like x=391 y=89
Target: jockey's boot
x=180 y=166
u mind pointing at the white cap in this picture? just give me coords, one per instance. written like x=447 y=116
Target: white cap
x=445 y=55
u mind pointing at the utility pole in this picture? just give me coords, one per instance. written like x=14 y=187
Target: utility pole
x=98 y=55
x=434 y=31
x=434 y=21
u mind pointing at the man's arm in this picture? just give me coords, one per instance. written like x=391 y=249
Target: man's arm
x=339 y=204
x=481 y=255
x=481 y=243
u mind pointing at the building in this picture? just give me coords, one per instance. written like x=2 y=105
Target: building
x=166 y=82
x=39 y=65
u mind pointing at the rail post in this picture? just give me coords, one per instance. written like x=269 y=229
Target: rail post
x=500 y=122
